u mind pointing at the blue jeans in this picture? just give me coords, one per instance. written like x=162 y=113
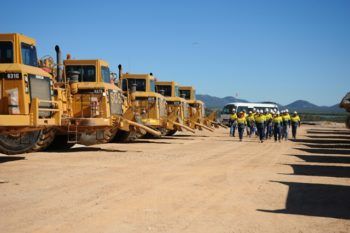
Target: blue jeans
x=294 y=130
x=277 y=132
x=233 y=129
x=268 y=129
x=260 y=127
x=285 y=132
x=241 y=128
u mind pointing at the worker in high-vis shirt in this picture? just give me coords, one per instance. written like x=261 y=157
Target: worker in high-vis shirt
x=286 y=124
x=260 y=124
x=241 y=124
x=251 y=124
x=233 y=122
x=295 y=120
x=268 y=124
x=277 y=123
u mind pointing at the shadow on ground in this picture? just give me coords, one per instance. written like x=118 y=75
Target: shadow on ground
x=322 y=141
x=340 y=132
x=323 y=158
x=318 y=170
x=341 y=137
x=5 y=159
x=325 y=151
x=85 y=149
x=320 y=200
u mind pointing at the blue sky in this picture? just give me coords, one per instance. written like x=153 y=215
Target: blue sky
x=257 y=50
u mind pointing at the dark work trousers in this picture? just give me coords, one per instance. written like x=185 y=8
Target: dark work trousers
x=294 y=130
x=277 y=132
x=233 y=129
x=241 y=128
x=260 y=127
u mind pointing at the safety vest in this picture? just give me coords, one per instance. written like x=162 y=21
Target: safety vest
x=241 y=120
x=277 y=120
x=295 y=119
x=251 y=118
x=260 y=119
x=268 y=116
x=286 y=117
x=234 y=117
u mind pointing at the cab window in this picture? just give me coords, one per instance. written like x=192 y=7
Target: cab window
x=105 y=74
x=152 y=86
x=186 y=93
x=140 y=84
x=6 y=52
x=177 y=93
x=86 y=73
x=29 y=56
x=164 y=90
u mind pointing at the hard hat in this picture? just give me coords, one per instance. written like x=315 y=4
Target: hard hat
x=287 y=110
x=261 y=111
x=278 y=112
x=233 y=110
x=250 y=112
x=254 y=109
x=295 y=112
x=244 y=110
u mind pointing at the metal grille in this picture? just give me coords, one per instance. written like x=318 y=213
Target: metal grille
x=116 y=102
x=40 y=88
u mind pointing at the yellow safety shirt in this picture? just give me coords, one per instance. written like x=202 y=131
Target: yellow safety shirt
x=241 y=120
x=277 y=120
x=234 y=117
x=295 y=119
x=260 y=119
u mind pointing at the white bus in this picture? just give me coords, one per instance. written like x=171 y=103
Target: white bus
x=240 y=106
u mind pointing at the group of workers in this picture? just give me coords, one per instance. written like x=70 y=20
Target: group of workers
x=264 y=124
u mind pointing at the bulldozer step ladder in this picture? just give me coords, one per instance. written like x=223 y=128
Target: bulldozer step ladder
x=72 y=134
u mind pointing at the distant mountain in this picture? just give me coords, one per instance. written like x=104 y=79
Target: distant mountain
x=299 y=105
x=216 y=102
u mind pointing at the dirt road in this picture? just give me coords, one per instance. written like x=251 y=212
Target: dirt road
x=208 y=182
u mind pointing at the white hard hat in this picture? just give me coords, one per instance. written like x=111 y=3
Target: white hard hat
x=233 y=110
x=266 y=110
x=261 y=111
x=295 y=112
x=287 y=110
x=278 y=112
x=250 y=112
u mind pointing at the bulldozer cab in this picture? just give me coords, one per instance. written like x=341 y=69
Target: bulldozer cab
x=148 y=104
x=177 y=107
x=93 y=91
x=27 y=105
x=171 y=92
x=26 y=91
x=189 y=93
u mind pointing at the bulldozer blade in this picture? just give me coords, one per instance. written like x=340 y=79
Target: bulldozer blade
x=183 y=126
x=204 y=127
x=145 y=128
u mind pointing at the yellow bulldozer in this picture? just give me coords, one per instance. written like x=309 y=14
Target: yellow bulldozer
x=93 y=107
x=177 y=107
x=197 y=118
x=146 y=103
x=27 y=102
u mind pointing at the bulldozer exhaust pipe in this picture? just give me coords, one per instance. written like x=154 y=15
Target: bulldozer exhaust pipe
x=59 y=63
x=120 y=71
